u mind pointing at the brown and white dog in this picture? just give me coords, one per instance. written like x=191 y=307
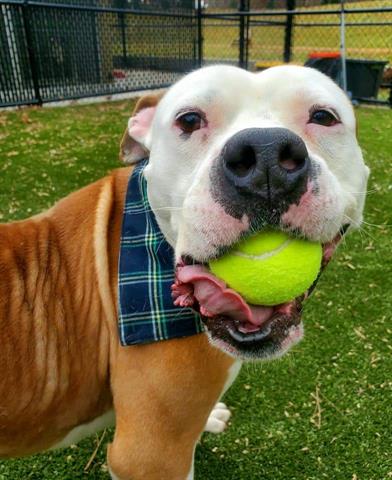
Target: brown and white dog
x=229 y=152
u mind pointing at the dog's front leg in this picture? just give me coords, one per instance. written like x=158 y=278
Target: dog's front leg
x=163 y=394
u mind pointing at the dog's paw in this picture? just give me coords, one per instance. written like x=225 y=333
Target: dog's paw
x=218 y=419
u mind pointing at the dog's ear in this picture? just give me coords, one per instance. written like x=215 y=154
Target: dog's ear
x=132 y=147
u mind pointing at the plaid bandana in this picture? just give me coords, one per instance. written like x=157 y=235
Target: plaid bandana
x=146 y=272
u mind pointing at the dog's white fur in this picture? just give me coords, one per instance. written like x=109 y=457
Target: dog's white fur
x=234 y=99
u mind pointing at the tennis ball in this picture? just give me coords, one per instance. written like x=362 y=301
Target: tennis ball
x=270 y=267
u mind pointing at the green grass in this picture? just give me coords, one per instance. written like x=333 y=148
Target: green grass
x=322 y=412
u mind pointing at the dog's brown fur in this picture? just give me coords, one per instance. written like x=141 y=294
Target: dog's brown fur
x=60 y=360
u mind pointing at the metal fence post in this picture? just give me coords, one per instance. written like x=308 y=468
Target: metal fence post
x=243 y=34
x=123 y=28
x=199 y=12
x=288 y=34
x=247 y=39
x=122 y=24
x=30 y=51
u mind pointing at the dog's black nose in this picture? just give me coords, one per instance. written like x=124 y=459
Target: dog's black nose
x=268 y=163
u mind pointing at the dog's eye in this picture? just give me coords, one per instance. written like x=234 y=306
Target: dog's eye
x=323 y=117
x=190 y=122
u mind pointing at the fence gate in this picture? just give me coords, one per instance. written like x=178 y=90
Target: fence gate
x=78 y=48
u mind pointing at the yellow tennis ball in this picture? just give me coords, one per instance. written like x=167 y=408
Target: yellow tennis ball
x=270 y=267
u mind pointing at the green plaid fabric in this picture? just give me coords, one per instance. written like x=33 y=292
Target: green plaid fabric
x=146 y=273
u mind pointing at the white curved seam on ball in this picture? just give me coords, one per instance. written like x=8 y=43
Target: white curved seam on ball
x=266 y=255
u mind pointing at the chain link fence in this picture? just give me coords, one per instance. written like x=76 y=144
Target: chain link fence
x=57 y=50
x=294 y=31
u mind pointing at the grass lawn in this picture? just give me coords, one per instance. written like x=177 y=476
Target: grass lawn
x=322 y=412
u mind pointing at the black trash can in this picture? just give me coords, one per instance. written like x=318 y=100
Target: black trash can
x=363 y=76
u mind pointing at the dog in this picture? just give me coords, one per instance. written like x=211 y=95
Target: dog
x=229 y=152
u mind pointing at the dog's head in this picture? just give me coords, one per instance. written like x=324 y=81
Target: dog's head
x=231 y=152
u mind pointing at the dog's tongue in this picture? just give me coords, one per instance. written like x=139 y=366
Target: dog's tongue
x=196 y=283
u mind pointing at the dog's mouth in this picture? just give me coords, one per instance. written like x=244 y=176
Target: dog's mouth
x=237 y=327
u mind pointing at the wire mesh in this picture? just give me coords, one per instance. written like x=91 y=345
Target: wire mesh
x=64 y=52
x=293 y=31
x=16 y=83
x=77 y=48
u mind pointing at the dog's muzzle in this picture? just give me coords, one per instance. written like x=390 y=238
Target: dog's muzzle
x=261 y=171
